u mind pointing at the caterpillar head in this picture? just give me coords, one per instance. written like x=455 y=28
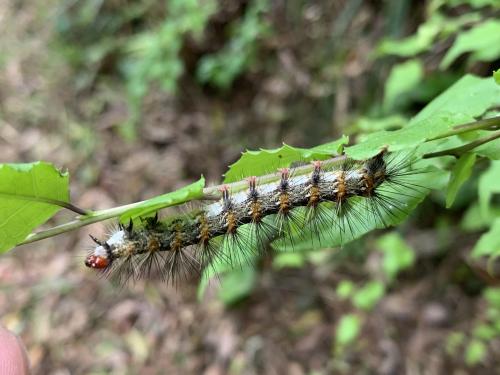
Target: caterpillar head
x=102 y=255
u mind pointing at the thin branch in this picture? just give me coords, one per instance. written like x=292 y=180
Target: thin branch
x=459 y=151
x=79 y=222
x=486 y=124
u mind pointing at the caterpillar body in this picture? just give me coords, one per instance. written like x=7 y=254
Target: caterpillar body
x=184 y=244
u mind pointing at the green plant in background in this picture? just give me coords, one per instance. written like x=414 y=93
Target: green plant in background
x=153 y=56
x=347 y=331
x=93 y=34
x=473 y=342
x=412 y=80
x=467 y=28
x=222 y=67
x=396 y=257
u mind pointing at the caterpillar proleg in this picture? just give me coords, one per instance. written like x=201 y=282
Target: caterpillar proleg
x=260 y=213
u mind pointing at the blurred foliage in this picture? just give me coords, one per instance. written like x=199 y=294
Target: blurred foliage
x=413 y=80
x=348 y=329
x=98 y=36
x=473 y=342
x=240 y=52
x=459 y=175
x=398 y=255
x=152 y=56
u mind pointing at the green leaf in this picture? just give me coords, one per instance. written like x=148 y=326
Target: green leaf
x=414 y=44
x=345 y=289
x=475 y=352
x=483 y=40
x=467 y=99
x=402 y=79
x=289 y=260
x=23 y=188
x=217 y=268
x=257 y=163
x=490 y=150
x=368 y=296
x=496 y=76
x=237 y=284
x=185 y=194
x=484 y=332
x=488 y=186
x=489 y=243
x=460 y=173
x=348 y=329
x=242 y=256
x=492 y=295
x=473 y=220
x=397 y=254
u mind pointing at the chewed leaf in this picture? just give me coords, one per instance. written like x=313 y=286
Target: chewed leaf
x=24 y=192
x=185 y=194
x=470 y=97
x=255 y=163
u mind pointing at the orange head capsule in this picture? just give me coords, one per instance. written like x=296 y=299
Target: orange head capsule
x=102 y=256
x=96 y=261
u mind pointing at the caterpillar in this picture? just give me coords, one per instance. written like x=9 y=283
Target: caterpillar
x=260 y=212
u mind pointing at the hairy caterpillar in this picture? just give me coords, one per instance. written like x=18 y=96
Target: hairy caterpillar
x=182 y=245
